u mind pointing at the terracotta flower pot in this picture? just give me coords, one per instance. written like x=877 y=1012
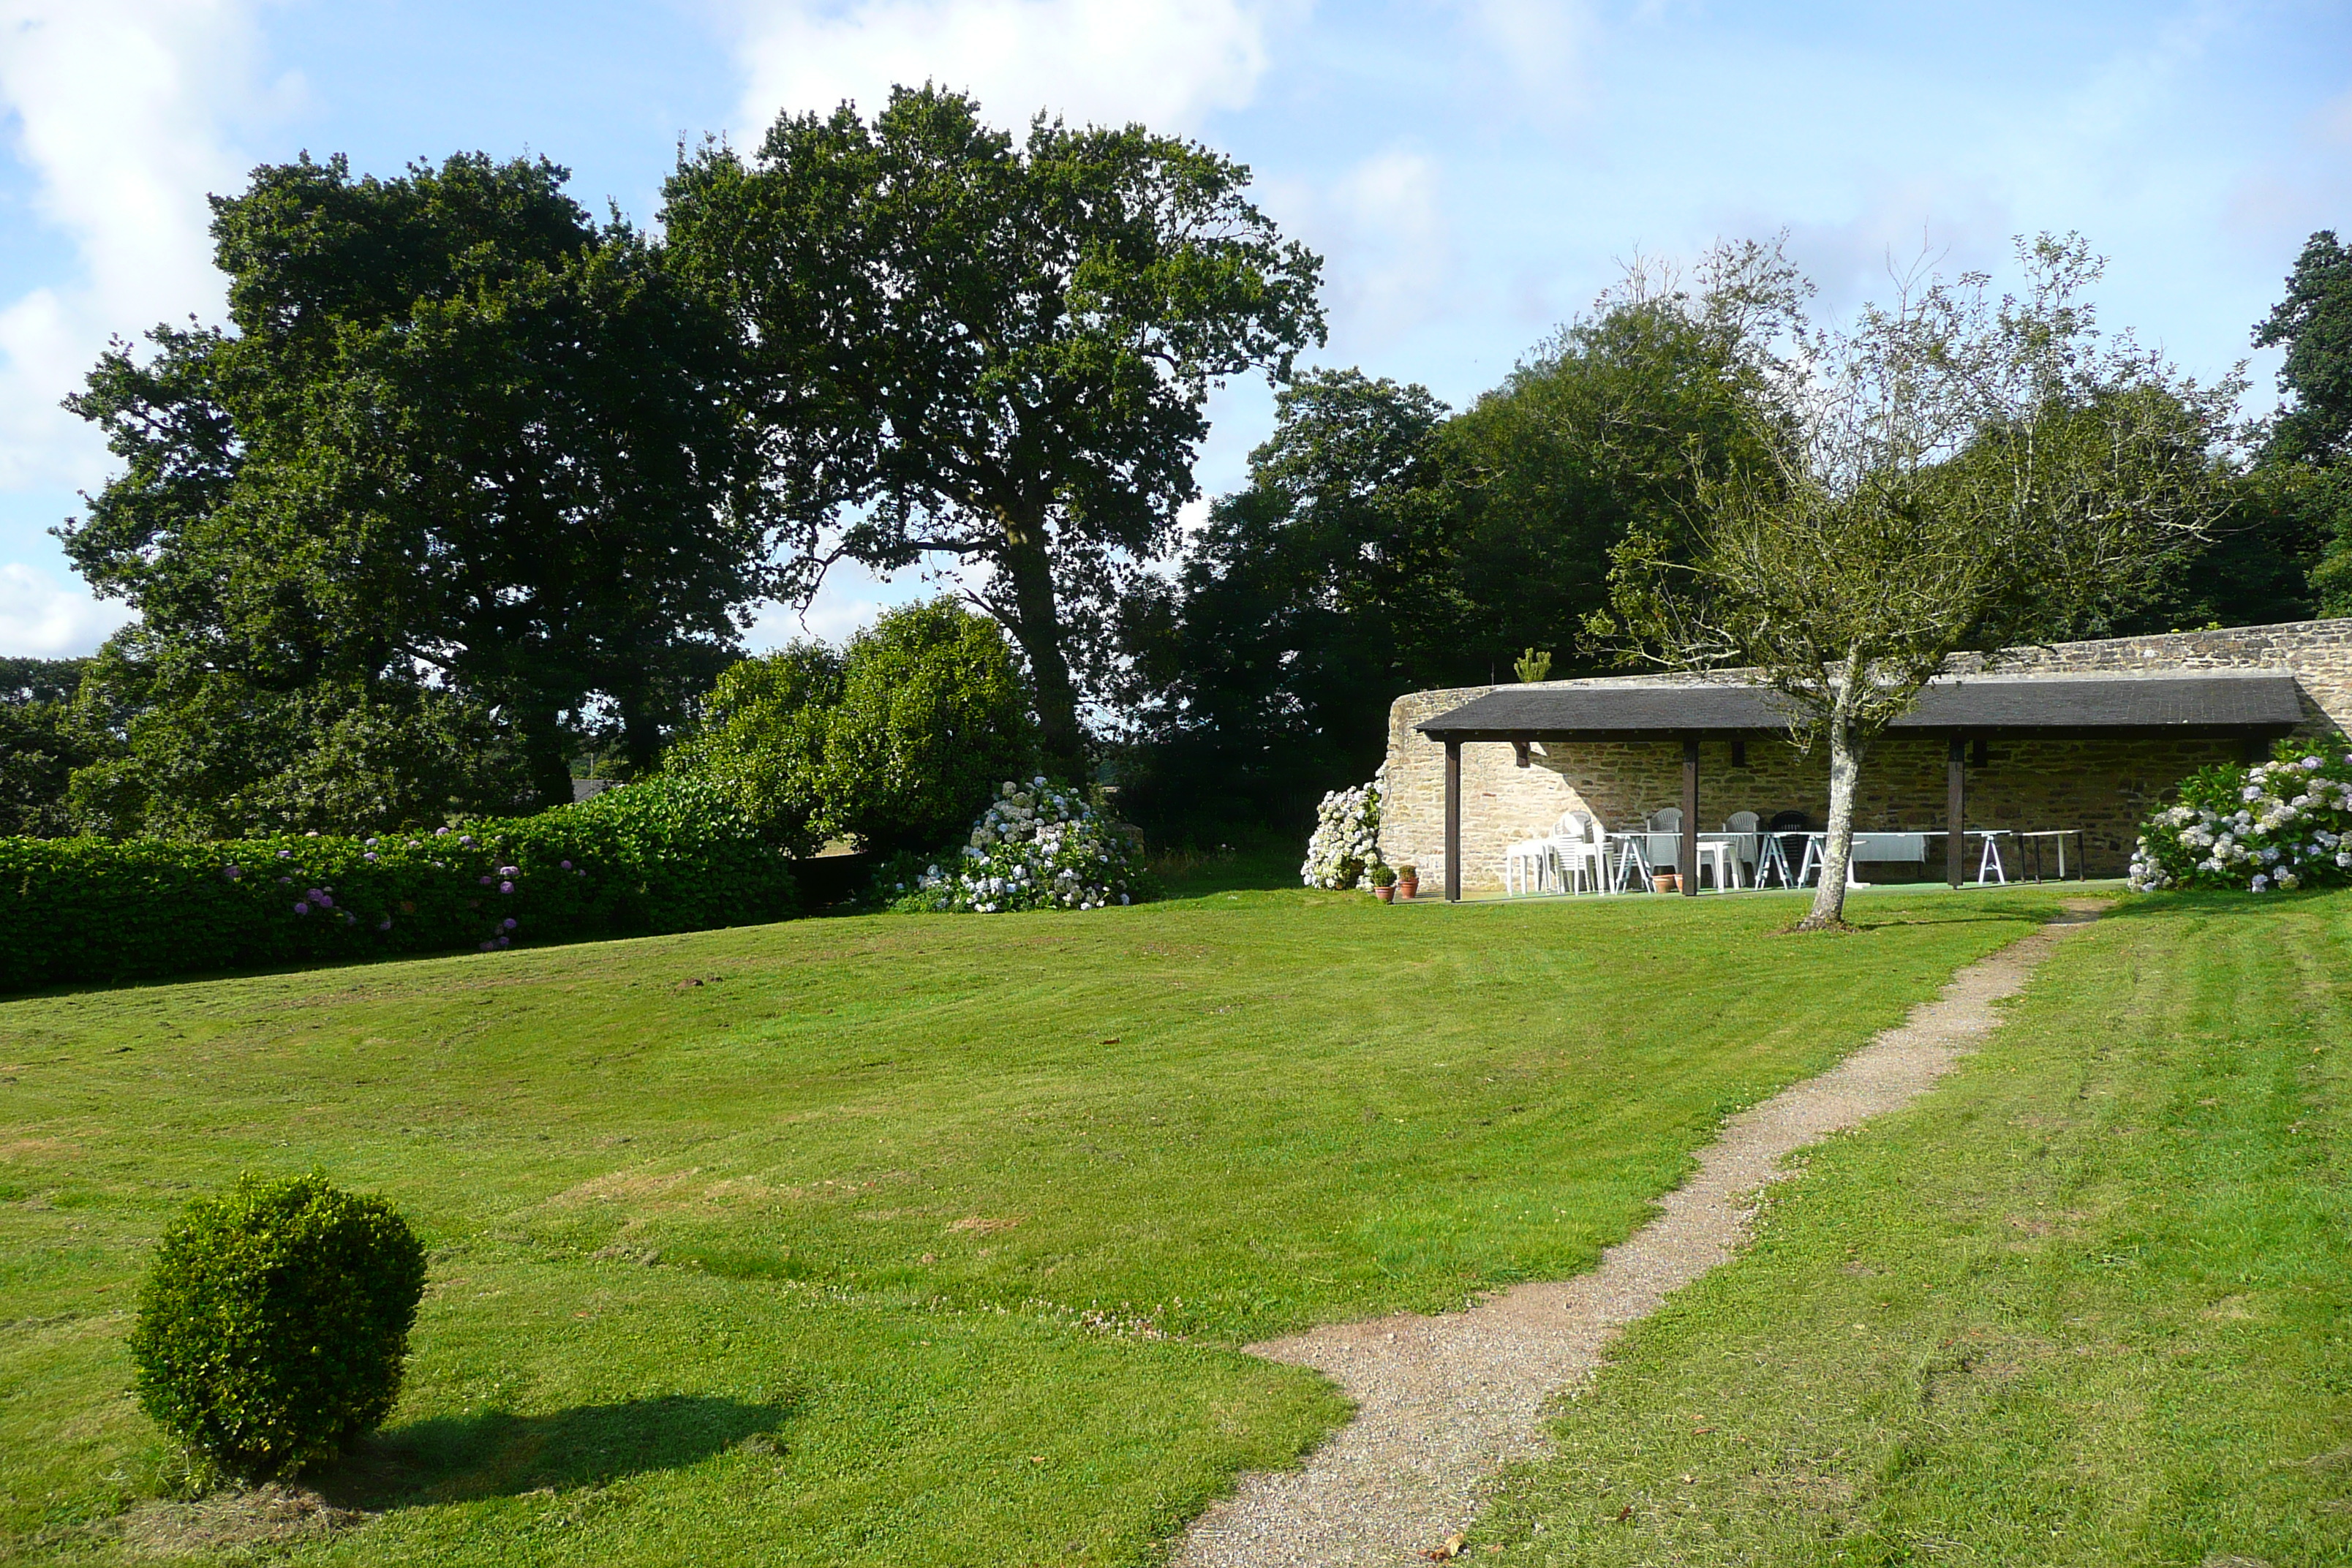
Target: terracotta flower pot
x=1666 y=881
x=1408 y=886
x=1384 y=892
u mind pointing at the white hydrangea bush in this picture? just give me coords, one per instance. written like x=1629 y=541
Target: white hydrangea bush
x=1037 y=847
x=2283 y=824
x=1347 y=841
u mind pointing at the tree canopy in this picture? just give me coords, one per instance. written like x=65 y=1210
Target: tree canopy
x=1382 y=546
x=1953 y=472
x=994 y=352
x=1265 y=667
x=2307 y=452
x=463 y=452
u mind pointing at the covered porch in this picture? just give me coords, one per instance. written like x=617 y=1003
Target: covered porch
x=2077 y=733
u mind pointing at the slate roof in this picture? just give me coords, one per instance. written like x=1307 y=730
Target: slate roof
x=2177 y=701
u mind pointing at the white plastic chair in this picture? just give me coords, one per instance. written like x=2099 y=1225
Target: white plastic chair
x=1580 y=852
x=1722 y=859
x=1525 y=865
x=1751 y=852
x=1665 y=839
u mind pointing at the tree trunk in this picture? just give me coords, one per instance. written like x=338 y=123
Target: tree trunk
x=545 y=756
x=640 y=733
x=1038 y=630
x=1828 y=912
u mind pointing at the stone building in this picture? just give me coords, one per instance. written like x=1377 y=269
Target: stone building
x=2105 y=736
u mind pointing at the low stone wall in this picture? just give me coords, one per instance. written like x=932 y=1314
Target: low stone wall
x=2105 y=787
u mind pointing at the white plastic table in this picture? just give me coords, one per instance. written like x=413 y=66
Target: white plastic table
x=1887 y=846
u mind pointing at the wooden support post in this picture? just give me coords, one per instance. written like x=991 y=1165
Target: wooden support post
x=1689 y=856
x=1452 y=822
x=1956 y=805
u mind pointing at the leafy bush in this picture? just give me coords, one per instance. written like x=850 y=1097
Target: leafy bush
x=1042 y=847
x=932 y=715
x=2286 y=822
x=763 y=737
x=1347 y=841
x=274 y=1322
x=896 y=741
x=663 y=855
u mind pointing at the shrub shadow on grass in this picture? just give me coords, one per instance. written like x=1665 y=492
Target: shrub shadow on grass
x=499 y=1453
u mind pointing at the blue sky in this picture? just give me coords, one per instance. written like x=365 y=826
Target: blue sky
x=1474 y=173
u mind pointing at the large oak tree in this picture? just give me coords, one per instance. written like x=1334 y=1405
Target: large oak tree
x=461 y=445
x=995 y=352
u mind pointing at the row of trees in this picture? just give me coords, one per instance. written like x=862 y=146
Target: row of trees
x=1384 y=545
x=471 y=481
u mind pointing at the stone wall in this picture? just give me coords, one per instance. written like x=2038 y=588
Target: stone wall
x=2105 y=787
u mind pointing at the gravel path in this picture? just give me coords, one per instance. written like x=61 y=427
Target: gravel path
x=1443 y=1403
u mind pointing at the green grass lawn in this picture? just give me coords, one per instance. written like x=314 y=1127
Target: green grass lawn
x=897 y=1239
x=2085 y=1303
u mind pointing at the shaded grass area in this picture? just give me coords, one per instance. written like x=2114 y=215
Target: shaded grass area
x=897 y=1239
x=2086 y=1303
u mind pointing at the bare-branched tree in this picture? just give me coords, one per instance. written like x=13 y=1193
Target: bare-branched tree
x=1954 y=471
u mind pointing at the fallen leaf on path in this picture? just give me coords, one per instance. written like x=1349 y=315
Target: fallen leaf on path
x=1625 y=1513
x=1451 y=1547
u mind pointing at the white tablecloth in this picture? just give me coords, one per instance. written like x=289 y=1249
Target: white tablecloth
x=1890 y=847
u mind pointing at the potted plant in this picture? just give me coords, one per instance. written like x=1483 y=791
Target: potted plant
x=1665 y=881
x=1408 y=881
x=1384 y=884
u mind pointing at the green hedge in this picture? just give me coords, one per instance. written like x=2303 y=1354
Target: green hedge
x=666 y=854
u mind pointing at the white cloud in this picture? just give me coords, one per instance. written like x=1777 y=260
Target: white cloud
x=1167 y=63
x=42 y=618
x=1387 y=241
x=1543 y=48
x=117 y=109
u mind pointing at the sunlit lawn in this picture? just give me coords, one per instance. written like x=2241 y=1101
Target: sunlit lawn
x=897 y=1239
x=2089 y=1303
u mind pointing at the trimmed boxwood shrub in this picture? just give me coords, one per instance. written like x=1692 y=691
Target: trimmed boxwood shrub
x=274 y=1323
x=665 y=855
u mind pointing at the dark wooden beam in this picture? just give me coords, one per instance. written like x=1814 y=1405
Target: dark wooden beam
x=1689 y=856
x=1520 y=751
x=1956 y=809
x=1452 y=822
x=2261 y=734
